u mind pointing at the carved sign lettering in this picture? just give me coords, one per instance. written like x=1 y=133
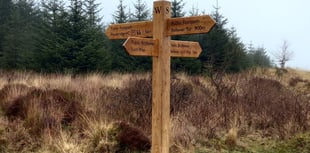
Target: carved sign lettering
x=134 y=29
x=190 y=25
x=145 y=47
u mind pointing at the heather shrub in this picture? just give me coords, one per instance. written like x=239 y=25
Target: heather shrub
x=45 y=110
x=131 y=138
x=180 y=95
x=133 y=103
x=220 y=112
x=10 y=92
x=268 y=105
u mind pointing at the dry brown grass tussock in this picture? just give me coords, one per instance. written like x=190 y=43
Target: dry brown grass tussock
x=70 y=113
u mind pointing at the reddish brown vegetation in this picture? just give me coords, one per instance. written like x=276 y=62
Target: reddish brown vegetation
x=271 y=106
x=131 y=138
x=200 y=109
x=10 y=92
x=259 y=103
x=43 y=109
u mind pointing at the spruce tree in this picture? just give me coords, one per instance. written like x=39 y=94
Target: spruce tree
x=84 y=49
x=177 y=7
x=141 y=11
x=214 y=43
x=141 y=14
x=188 y=65
x=92 y=11
x=6 y=7
x=121 y=16
x=52 y=37
x=17 y=43
x=71 y=39
x=235 y=59
x=222 y=49
x=122 y=62
x=258 y=57
x=98 y=42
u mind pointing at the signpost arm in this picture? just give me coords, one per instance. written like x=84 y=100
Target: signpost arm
x=161 y=48
x=161 y=79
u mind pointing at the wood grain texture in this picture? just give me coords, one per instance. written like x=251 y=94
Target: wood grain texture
x=133 y=29
x=136 y=46
x=190 y=25
x=185 y=49
x=161 y=79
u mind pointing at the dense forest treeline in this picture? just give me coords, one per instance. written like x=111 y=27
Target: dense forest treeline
x=53 y=36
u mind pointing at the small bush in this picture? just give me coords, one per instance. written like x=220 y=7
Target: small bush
x=269 y=105
x=45 y=110
x=180 y=96
x=10 y=92
x=133 y=103
x=116 y=137
x=131 y=138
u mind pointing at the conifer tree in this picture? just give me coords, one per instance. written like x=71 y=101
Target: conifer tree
x=120 y=16
x=52 y=37
x=189 y=65
x=122 y=62
x=17 y=43
x=92 y=10
x=258 y=57
x=71 y=40
x=84 y=51
x=222 y=49
x=177 y=7
x=141 y=12
x=6 y=7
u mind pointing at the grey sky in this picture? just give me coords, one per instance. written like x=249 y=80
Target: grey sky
x=264 y=23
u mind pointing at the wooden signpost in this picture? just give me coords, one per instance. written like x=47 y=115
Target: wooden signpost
x=136 y=46
x=125 y=30
x=189 y=25
x=161 y=48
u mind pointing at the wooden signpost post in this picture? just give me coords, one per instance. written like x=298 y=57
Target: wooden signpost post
x=161 y=48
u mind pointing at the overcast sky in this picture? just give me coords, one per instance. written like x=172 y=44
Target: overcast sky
x=264 y=23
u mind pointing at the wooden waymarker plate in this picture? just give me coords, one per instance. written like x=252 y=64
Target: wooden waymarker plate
x=136 y=46
x=189 y=25
x=133 y=29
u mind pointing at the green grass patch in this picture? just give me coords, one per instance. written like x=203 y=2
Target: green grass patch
x=297 y=144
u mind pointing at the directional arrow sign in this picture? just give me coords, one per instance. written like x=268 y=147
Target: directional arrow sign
x=140 y=46
x=146 y=47
x=185 y=49
x=189 y=25
x=133 y=29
